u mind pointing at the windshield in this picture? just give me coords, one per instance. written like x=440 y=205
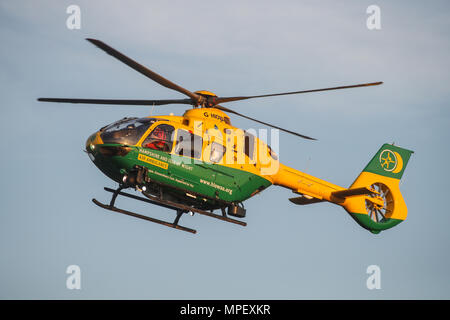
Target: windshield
x=126 y=131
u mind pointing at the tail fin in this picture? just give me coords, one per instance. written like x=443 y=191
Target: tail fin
x=383 y=208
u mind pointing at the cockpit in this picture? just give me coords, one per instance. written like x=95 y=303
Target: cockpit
x=126 y=131
x=161 y=138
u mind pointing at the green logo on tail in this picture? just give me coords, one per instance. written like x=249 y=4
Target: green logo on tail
x=390 y=161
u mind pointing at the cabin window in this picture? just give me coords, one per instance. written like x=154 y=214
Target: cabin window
x=161 y=138
x=188 y=144
x=249 y=145
x=217 y=152
x=126 y=131
x=272 y=153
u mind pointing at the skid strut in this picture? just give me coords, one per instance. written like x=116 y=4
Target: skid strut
x=174 y=205
x=179 y=208
x=136 y=215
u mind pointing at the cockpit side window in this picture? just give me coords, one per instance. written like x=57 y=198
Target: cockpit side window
x=189 y=144
x=161 y=138
x=272 y=153
x=249 y=145
x=217 y=152
x=126 y=131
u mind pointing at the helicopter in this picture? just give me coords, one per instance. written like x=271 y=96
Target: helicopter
x=199 y=163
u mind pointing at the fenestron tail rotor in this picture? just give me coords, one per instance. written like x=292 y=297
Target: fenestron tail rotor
x=382 y=209
x=196 y=99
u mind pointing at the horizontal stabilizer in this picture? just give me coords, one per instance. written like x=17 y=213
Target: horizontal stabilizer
x=353 y=192
x=304 y=200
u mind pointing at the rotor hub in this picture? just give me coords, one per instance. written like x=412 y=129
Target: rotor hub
x=208 y=99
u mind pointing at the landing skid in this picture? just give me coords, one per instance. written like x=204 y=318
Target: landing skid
x=136 y=215
x=178 y=207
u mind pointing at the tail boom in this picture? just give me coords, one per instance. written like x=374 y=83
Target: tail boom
x=374 y=199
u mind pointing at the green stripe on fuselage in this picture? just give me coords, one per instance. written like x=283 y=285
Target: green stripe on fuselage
x=210 y=180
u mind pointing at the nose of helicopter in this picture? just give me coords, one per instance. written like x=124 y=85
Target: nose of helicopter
x=109 y=158
x=91 y=144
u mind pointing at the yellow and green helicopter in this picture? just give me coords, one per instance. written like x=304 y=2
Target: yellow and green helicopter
x=199 y=162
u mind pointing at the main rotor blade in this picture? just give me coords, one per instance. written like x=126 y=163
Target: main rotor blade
x=229 y=99
x=144 y=70
x=264 y=123
x=119 y=101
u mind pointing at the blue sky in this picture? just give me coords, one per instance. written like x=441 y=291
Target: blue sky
x=48 y=221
